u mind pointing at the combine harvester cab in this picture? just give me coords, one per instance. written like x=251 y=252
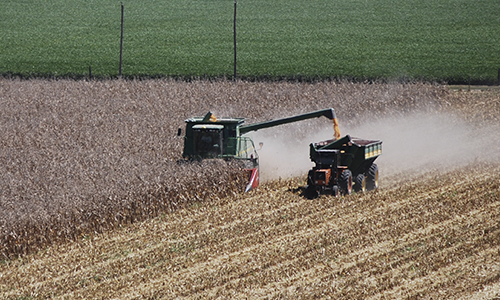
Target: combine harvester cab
x=343 y=165
x=208 y=137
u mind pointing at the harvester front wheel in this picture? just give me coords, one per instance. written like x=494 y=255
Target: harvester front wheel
x=345 y=182
x=372 y=178
x=360 y=183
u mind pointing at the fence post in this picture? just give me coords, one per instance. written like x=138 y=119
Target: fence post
x=234 y=37
x=121 y=45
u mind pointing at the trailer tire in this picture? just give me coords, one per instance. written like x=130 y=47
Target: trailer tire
x=360 y=183
x=345 y=182
x=372 y=178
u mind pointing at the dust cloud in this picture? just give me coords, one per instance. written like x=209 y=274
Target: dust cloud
x=419 y=143
x=285 y=151
x=412 y=144
x=278 y=158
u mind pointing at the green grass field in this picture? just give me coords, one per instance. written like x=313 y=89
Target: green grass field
x=450 y=40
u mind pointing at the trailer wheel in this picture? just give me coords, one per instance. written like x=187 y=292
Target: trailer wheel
x=360 y=183
x=372 y=178
x=345 y=182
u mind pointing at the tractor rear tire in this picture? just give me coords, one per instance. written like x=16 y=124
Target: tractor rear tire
x=360 y=183
x=345 y=182
x=372 y=178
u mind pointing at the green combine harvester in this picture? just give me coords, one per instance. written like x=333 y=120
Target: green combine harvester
x=209 y=137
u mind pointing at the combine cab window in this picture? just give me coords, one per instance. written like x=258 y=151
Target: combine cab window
x=208 y=140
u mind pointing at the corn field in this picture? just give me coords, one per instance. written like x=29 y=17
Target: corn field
x=96 y=201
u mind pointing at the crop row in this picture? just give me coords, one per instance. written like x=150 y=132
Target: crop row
x=443 y=40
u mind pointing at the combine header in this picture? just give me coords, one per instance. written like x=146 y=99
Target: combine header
x=209 y=137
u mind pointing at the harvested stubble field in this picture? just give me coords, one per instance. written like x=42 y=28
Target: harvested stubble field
x=96 y=205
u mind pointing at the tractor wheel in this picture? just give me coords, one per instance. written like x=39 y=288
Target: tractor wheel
x=372 y=178
x=345 y=182
x=310 y=192
x=360 y=183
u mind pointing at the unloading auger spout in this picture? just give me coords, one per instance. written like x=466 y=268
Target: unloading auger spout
x=328 y=113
